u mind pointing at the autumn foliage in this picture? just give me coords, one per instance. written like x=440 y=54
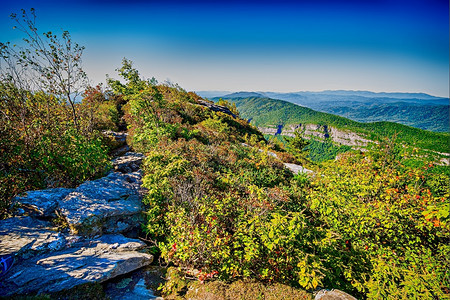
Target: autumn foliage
x=375 y=224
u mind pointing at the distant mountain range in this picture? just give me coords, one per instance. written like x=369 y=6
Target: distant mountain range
x=279 y=117
x=418 y=110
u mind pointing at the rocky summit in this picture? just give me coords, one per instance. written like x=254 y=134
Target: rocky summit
x=92 y=249
x=87 y=261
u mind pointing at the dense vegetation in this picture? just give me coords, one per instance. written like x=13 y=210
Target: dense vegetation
x=367 y=224
x=427 y=117
x=46 y=138
x=265 y=111
x=315 y=151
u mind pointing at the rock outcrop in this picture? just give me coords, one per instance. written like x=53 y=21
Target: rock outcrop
x=321 y=132
x=296 y=169
x=84 y=262
x=119 y=137
x=333 y=295
x=117 y=141
x=42 y=203
x=27 y=236
x=215 y=107
x=130 y=162
x=136 y=285
x=48 y=261
x=111 y=204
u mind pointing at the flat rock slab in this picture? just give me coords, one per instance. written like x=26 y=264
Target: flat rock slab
x=140 y=284
x=42 y=203
x=120 y=137
x=333 y=295
x=25 y=237
x=130 y=162
x=120 y=150
x=110 y=204
x=296 y=169
x=85 y=262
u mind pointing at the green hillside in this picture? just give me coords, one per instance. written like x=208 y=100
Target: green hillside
x=413 y=109
x=263 y=112
x=428 y=117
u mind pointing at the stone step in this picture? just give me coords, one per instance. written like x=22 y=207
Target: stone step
x=26 y=237
x=130 y=162
x=111 y=204
x=86 y=261
x=42 y=203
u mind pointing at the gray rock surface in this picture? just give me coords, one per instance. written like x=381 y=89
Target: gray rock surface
x=297 y=169
x=215 y=107
x=26 y=236
x=293 y=167
x=140 y=284
x=42 y=203
x=110 y=204
x=120 y=150
x=87 y=261
x=47 y=261
x=320 y=132
x=130 y=162
x=333 y=295
x=120 y=137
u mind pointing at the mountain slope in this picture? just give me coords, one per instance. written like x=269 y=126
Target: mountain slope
x=413 y=109
x=279 y=114
x=428 y=117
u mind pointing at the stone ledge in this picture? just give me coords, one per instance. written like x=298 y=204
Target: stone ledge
x=84 y=262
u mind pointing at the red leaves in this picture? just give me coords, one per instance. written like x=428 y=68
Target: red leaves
x=202 y=277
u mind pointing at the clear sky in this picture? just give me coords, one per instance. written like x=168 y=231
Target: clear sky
x=284 y=46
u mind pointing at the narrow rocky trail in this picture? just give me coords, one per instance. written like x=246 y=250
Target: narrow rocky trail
x=96 y=240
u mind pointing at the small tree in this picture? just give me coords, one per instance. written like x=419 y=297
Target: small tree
x=297 y=145
x=48 y=63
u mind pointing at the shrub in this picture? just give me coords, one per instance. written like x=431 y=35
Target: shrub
x=371 y=224
x=40 y=147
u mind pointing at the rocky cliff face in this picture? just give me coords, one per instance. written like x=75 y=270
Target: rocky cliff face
x=321 y=132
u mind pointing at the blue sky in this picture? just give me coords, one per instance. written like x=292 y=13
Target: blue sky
x=376 y=45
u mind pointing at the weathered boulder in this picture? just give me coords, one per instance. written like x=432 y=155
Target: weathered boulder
x=119 y=137
x=42 y=203
x=333 y=295
x=87 y=261
x=297 y=169
x=26 y=236
x=111 y=204
x=120 y=151
x=215 y=107
x=130 y=162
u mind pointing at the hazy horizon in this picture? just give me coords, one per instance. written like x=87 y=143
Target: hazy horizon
x=283 y=46
x=315 y=91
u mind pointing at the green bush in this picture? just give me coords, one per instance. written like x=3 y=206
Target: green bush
x=40 y=147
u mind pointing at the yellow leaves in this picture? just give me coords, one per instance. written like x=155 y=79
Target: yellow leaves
x=307 y=276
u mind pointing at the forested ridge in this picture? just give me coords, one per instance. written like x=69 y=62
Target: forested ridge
x=264 y=112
